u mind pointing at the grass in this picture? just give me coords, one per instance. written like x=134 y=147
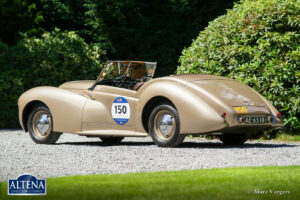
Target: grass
x=279 y=137
x=225 y=183
x=287 y=137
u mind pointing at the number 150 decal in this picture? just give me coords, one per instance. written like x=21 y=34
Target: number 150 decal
x=120 y=110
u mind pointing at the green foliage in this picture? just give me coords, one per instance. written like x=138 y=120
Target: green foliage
x=68 y=58
x=18 y=16
x=54 y=58
x=137 y=29
x=257 y=43
x=156 y=30
x=79 y=16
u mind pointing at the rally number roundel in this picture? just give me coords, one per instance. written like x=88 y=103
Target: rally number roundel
x=120 y=110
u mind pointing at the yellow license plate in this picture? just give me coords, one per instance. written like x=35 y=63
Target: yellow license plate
x=241 y=110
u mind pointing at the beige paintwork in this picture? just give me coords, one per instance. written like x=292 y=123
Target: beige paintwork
x=65 y=107
x=199 y=99
x=77 y=86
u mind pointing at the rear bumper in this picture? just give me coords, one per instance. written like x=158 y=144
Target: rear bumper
x=248 y=128
x=237 y=127
x=252 y=128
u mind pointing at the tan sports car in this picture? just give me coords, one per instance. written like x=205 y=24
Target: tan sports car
x=125 y=101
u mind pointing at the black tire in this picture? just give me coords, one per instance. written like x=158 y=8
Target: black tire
x=168 y=138
x=234 y=139
x=111 y=139
x=50 y=137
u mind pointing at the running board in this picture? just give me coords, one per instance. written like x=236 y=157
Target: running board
x=113 y=133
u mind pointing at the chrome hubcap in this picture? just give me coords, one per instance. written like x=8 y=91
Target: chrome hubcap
x=42 y=123
x=165 y=124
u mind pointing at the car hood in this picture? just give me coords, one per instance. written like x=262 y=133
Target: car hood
x=77 y=85
x=229 y=91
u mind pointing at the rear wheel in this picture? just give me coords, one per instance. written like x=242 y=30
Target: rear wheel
x=40 y=126
x=111 y=139
x=234 y=139
x=164 y=126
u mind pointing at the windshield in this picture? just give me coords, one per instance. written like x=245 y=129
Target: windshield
x=137 y=70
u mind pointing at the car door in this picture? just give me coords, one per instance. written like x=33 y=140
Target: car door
x=110 y=108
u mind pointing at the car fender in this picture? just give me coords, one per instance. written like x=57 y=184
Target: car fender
x=66 y=107
x=196 y=115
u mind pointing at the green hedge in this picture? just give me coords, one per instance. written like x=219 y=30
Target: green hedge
x=257 y=43
x=50 y=60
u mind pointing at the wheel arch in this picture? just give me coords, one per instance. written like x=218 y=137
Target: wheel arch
x=27 y=109
x=150 y=105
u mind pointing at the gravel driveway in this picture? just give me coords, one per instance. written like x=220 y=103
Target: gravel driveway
x=74 y=155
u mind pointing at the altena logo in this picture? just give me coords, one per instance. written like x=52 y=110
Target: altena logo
x=26 y=184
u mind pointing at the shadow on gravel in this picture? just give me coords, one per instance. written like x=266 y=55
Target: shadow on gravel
x=105 y=144
x=222 y=146
x=200 y=145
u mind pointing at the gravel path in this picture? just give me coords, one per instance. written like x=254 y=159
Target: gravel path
x=74 y=155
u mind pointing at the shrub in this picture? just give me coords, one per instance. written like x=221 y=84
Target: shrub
x=50 y=60
x=257 y=43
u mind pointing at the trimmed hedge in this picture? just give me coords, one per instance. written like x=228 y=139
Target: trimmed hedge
x=50 y=60
x=258 y=43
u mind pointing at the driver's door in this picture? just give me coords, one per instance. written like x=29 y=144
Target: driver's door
x=110 y=108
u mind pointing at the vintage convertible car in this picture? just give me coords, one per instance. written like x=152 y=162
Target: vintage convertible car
x=125 y=100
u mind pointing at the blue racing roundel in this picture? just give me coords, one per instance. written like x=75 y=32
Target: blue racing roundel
x=120 y=110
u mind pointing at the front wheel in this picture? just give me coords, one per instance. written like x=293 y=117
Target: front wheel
x=234 y=139
x=40 y=126
x=164 y=126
